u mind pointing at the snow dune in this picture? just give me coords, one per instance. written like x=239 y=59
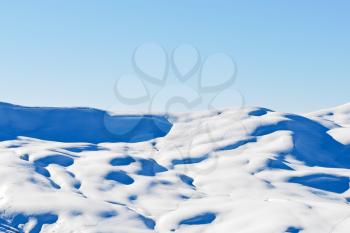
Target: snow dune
x=245 y=171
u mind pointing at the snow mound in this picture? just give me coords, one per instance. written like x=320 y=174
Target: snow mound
x=78 y=125
x=248 y=170
x=339 y=115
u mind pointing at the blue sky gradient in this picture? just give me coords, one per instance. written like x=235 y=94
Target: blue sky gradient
x=291 y=55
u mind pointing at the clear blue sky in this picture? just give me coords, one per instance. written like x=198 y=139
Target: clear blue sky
x=291 y=55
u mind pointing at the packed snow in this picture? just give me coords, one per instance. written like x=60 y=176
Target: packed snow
x=82 y=170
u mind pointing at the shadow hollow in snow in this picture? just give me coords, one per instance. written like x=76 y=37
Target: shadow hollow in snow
x=204 y=218
x=277 y=164
x=149 y=167
x=189 y=160
x=259 y=112
x=237 y=144
x=108 y=214
x=120 y=177
x=41 y=219
x=293 y=230
x=61 y=160
x=326 y=182
x=80 y=149
x=122 y=161
x=186 y=179
x=149 y=223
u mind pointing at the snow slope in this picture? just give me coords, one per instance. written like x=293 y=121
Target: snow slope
x=243 y=171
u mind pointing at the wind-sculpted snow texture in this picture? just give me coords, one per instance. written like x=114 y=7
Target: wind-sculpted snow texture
x=251 y=170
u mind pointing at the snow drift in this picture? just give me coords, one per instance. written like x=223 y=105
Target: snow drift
x=246 y=171
x=78 y=125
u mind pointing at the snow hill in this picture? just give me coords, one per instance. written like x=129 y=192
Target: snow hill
x=253 y=170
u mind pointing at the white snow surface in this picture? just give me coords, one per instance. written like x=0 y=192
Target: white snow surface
x=250 y=170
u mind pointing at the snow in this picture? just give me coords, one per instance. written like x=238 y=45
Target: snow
x=78 y=125
x=248 y=170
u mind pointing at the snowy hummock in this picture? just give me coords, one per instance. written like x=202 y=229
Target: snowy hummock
x=246 y=171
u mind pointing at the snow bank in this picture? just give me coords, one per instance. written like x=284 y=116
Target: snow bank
x=78 y=125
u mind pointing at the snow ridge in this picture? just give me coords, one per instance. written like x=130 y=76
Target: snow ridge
x=78 y=125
